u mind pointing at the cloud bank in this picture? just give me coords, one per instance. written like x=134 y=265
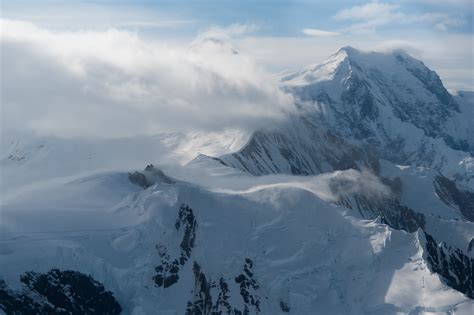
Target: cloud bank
x=114 y=83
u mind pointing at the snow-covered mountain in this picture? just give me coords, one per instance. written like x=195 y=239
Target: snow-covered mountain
x=361 y=202
x=368 y=95
x=177 y=247
x=358 y=107
x=389 y=113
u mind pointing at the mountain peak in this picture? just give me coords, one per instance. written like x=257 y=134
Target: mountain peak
x=363 y=85
x=352 y=52
x=338 y=63
x=372 y=66
x=349 y=51
x=324 y=71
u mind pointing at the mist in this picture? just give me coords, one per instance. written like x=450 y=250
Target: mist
x=110 y=84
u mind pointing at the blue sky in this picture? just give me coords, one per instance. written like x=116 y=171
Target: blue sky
x=273 y=18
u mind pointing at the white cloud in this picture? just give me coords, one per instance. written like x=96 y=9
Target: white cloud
x=372 y=10
x=369 y=16
x=319 y=33
x=113 y=83
x=441 y=21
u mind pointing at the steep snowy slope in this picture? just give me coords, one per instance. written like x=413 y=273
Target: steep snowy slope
x=178 y=247
x=300 y=147
x=363 y=91
x=358 y=107
x=390 y=114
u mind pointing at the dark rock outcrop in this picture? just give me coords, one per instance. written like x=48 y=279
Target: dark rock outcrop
x=284 y=307
x=58 y=292
x=167 y=273
x=202 y=301
x=452 y=196
x=455 y=268
x=186 y=220
x=204 y=290
x=248 y=286
x=286 y=152
x=390 y=211
x=149 y=176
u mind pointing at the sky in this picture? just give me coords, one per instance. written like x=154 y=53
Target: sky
x=142 y=67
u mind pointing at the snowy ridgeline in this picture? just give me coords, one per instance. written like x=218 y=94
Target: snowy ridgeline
x=264 y=244
x=358 y=206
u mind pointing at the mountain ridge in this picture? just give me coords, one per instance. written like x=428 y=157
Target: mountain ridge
x=347 y=207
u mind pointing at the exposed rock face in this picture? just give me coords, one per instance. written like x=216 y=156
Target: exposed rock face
x=206 y=290
x=186 y=220
x=168 y=270
x=380 y=203
x=390 y=211
x=12 y=302
x=248 y=287
x=202 y=301
x=289 y=152
x=58 y=292
x=456 y=269
x=222 y=305
x=150 y=176
x=451 y=195
x=167 y=273
x=208 y=296
x=470 y=246
x=284 y=307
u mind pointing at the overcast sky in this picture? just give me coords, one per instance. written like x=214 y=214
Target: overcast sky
x=149 y=65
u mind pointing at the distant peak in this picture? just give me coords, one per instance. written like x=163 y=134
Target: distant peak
x=352 y=52
x=349 y=61
x=400 y=53
x=213 y=42
x=349 y=50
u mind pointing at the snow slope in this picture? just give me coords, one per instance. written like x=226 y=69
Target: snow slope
x=357 y=107
x=275 y=248
x=27 y=160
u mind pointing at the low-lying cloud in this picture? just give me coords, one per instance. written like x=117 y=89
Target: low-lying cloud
x=115 y=84
x=331 y=186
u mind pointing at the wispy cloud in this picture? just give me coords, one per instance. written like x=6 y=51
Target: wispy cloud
x=154 y=24
x=368 y=17
x=319 y=33
x=369 y=11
